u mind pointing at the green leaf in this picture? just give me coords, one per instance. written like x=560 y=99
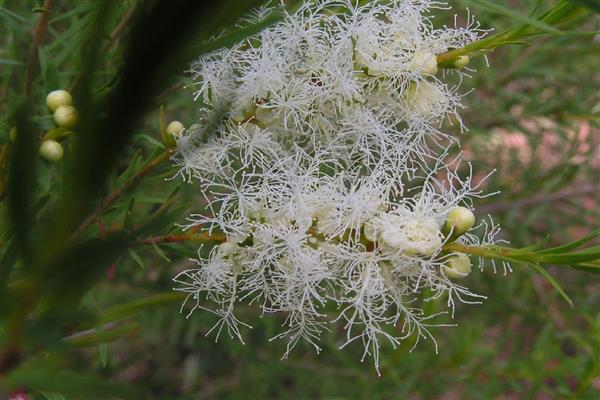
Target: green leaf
x=160 y=252
x=137 y=306
x=128 y=222
x=50 y=377
x=53 y=396
x=517 y=16
x=593 y=5
x=237 y=35
x=573 y=245
x=151 y=140
x=552 y=281
x=105 y=334
x=593 y=268
x=6 y=61
x=9 y=15
x=136 y=257
x=586 y=255
x=103 y=351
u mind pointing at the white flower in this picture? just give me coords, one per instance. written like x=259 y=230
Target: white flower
x=414 y=236
x=428 y=101
x=311 y=152
x=424 y=62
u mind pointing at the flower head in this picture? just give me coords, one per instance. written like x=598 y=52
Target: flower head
x=319 y=174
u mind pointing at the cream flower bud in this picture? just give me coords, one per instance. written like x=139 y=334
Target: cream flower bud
x=427 y=100
x=175 y=128
x=461 y=62
x=264 y=114
x=51 y=150
x=424 y=62
x=238 y=115
x=66 y=116
x=459 y=220
x=457 y=266
x=58 y=98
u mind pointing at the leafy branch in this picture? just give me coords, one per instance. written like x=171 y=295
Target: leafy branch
x=562 y=14
x=567 y=255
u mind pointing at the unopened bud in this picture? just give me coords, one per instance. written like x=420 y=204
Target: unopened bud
x=66 y=116
x=459 y=221
x=461 y=62
x=457 y=266
x=175 y=128
x=51 y=150
x=58 y=98
x=264 y=114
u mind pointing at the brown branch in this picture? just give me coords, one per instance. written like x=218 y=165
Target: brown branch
x=118 y=31
x=114 y=195
x=185 y=237
x=539 y=199
x=38 y=38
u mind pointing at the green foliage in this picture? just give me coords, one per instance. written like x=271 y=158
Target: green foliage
x=81 y=318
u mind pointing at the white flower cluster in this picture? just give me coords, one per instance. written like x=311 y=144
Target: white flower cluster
x=321 y=161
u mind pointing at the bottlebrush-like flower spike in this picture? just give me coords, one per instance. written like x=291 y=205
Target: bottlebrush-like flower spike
x=314 y=157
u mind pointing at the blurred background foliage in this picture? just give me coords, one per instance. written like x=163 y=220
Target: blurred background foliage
x=88 y=248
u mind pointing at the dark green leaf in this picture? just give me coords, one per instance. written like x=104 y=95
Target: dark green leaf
x=516 y=16
x=137 y=306
x=136 y=257
x=47 y=377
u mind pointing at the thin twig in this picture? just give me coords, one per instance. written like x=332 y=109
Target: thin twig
x=38 y=38
x=114 y=195
x=118 y=31
x=185 y=237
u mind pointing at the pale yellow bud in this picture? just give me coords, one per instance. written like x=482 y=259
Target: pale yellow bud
x=175 y=128
x=264 y=114
x=460 y=220
x=66 y=116
x=51 y=150
x=461 y=62
x=457 y=266
x=58 y=98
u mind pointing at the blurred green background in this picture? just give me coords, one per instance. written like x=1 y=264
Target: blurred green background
x=533 y=116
